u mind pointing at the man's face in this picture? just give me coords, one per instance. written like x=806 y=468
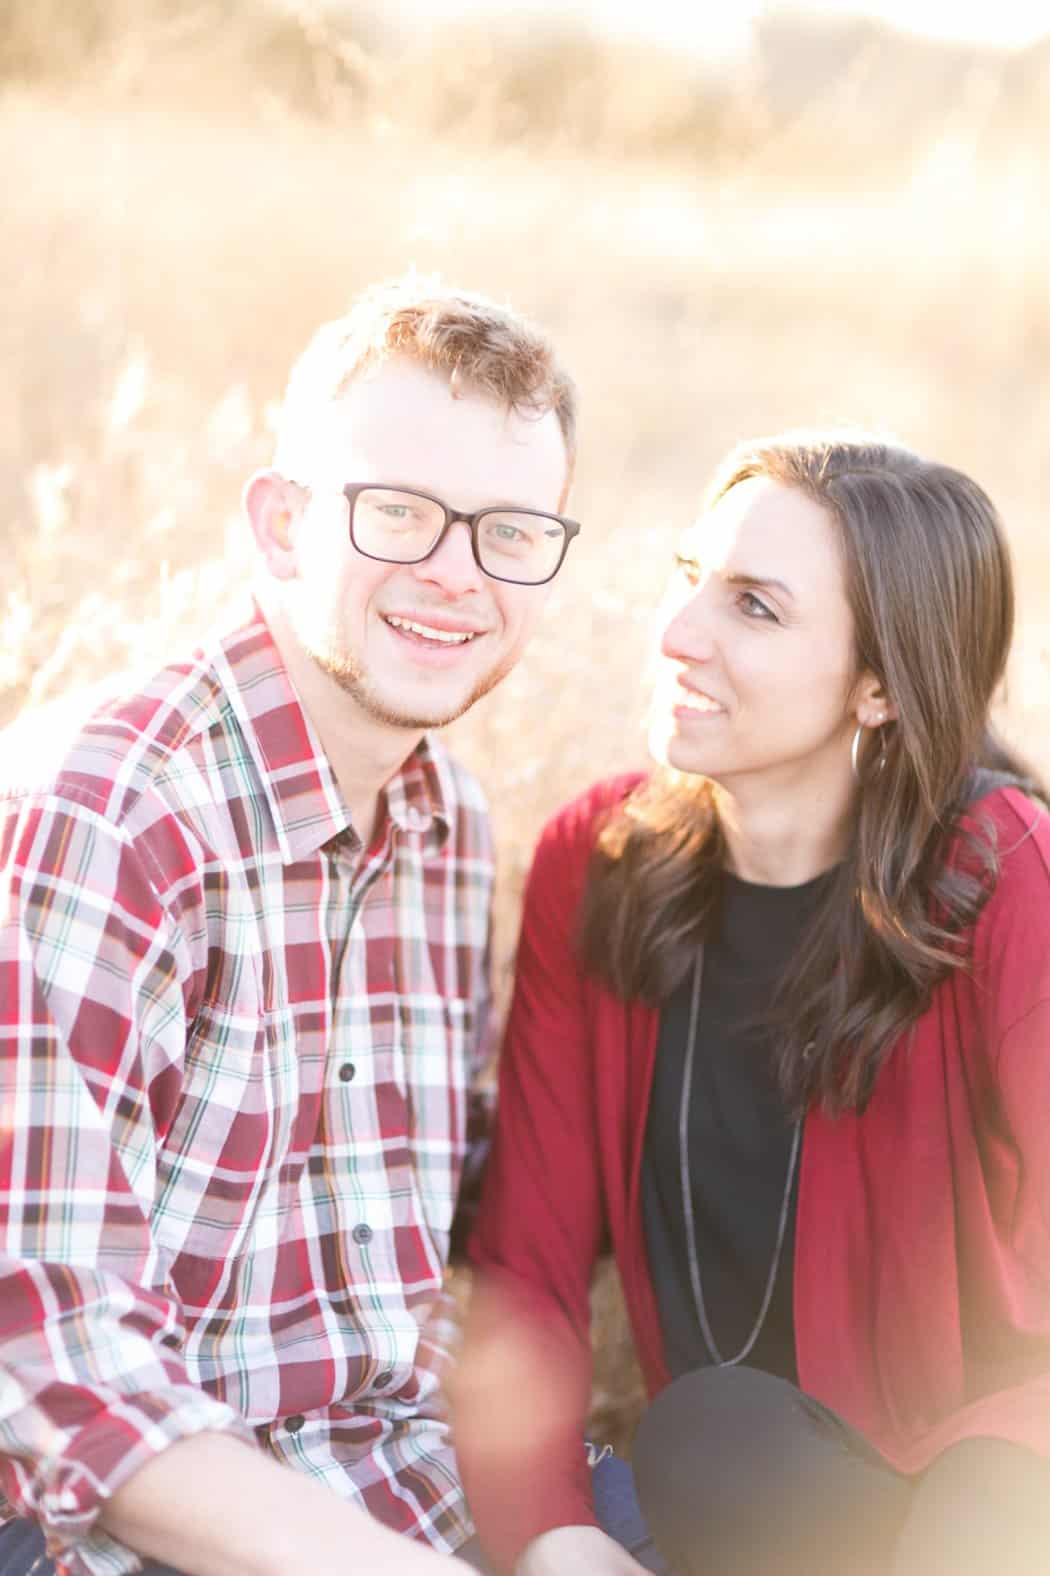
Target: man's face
x=416 y=644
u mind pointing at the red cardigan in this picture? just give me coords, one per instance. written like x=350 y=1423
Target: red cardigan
x=922 y=1260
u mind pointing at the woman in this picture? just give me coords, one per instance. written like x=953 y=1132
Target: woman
x=781 y=1040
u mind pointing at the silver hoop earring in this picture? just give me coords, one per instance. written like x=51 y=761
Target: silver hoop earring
x=854 y=753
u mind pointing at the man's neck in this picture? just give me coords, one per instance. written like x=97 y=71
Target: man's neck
x=362 y=752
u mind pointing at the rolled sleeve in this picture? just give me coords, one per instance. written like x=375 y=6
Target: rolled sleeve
x=92 y=1029
x=65 y=1489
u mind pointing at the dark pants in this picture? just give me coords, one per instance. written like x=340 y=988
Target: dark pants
x=22 y=1554
x=741 y=1474
x=736 y=1473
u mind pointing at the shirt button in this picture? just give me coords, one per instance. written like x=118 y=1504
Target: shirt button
x=294 y=1423
x=362 y=1233
x=383 y=1379
x=347 y=1071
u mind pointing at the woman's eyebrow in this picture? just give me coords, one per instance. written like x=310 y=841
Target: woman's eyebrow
x=739 y=579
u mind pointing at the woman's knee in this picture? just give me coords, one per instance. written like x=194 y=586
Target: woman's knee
x=710 y=1412
x=737 y=1468
x=698 y=1452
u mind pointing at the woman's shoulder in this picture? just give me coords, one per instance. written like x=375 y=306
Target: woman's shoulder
x=1016 y=828
x=561 y=858
x=1009 y=963
x=577 y=823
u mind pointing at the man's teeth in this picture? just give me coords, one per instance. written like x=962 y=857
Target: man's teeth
x=702 y=703
x=444 y=635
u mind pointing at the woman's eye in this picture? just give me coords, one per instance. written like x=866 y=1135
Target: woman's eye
x=754 y=607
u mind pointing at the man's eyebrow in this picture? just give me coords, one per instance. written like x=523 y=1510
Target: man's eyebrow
x=738 y=579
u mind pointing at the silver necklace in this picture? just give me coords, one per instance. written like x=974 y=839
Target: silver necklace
x=687 y=1198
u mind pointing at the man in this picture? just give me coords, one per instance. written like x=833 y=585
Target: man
x=243 y=945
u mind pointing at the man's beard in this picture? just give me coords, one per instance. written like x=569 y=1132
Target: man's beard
x=347 y=674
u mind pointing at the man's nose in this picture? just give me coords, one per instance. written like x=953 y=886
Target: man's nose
x=452 y=565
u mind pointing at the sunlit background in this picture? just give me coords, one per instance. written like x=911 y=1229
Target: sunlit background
x=733 y=217
x=717 y=28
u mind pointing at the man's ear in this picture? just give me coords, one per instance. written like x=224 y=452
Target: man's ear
x=871 y=703
x=272 y=504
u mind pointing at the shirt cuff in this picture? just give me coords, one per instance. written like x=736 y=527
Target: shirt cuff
x=67 y=1492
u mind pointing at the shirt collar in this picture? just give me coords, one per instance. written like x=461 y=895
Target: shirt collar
x=418 y=797
x=296 y=778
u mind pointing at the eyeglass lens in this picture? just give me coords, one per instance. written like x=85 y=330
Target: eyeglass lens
x=402 y=527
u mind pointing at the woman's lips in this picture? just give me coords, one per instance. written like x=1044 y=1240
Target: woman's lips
x=696 y=703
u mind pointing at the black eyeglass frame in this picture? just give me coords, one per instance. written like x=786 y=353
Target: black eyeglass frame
x=452 y=516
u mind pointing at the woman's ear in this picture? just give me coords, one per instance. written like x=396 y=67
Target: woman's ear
x=871 y=705
x=272 y=504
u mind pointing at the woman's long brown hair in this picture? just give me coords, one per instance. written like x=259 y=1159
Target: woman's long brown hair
x=929 y=584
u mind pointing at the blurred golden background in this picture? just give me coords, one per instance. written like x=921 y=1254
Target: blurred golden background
x=832 y=220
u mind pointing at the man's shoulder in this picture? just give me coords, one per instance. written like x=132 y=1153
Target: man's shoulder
x=103 y=748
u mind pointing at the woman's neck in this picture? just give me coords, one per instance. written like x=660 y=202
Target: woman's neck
x=775 y=842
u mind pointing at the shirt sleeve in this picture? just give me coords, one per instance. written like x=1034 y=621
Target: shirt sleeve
x=1015 y=954
x=1012 y=995
x=1021 y=1412
x=523 y=1397
x=93 y=967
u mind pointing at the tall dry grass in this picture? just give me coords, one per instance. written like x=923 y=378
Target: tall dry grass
x=851 y=228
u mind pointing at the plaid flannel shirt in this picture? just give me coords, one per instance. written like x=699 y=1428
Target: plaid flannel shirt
x=235 y=1055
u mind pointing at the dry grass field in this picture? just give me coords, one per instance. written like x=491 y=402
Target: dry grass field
x=852 y=228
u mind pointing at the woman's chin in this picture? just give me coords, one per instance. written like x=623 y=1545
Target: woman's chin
x=673 y=748
x=681 y=757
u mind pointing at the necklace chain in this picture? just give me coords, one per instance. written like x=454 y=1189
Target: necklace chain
x=687 y=1198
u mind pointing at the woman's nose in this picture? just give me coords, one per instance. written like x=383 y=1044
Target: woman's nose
x=687 y=636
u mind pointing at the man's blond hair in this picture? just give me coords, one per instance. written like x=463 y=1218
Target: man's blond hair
x=473 y=342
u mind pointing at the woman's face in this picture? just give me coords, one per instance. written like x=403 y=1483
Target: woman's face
x=757 y=676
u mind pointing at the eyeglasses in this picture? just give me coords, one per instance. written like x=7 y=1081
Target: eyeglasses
x=399 y=525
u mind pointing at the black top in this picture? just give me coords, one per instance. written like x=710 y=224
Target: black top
x=739 y=1139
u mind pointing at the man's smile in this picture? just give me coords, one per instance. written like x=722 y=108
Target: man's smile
x=430 y=632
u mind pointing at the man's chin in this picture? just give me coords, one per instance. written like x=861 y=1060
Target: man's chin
x=413 y=721
x=418 y=714
x=414 y=713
